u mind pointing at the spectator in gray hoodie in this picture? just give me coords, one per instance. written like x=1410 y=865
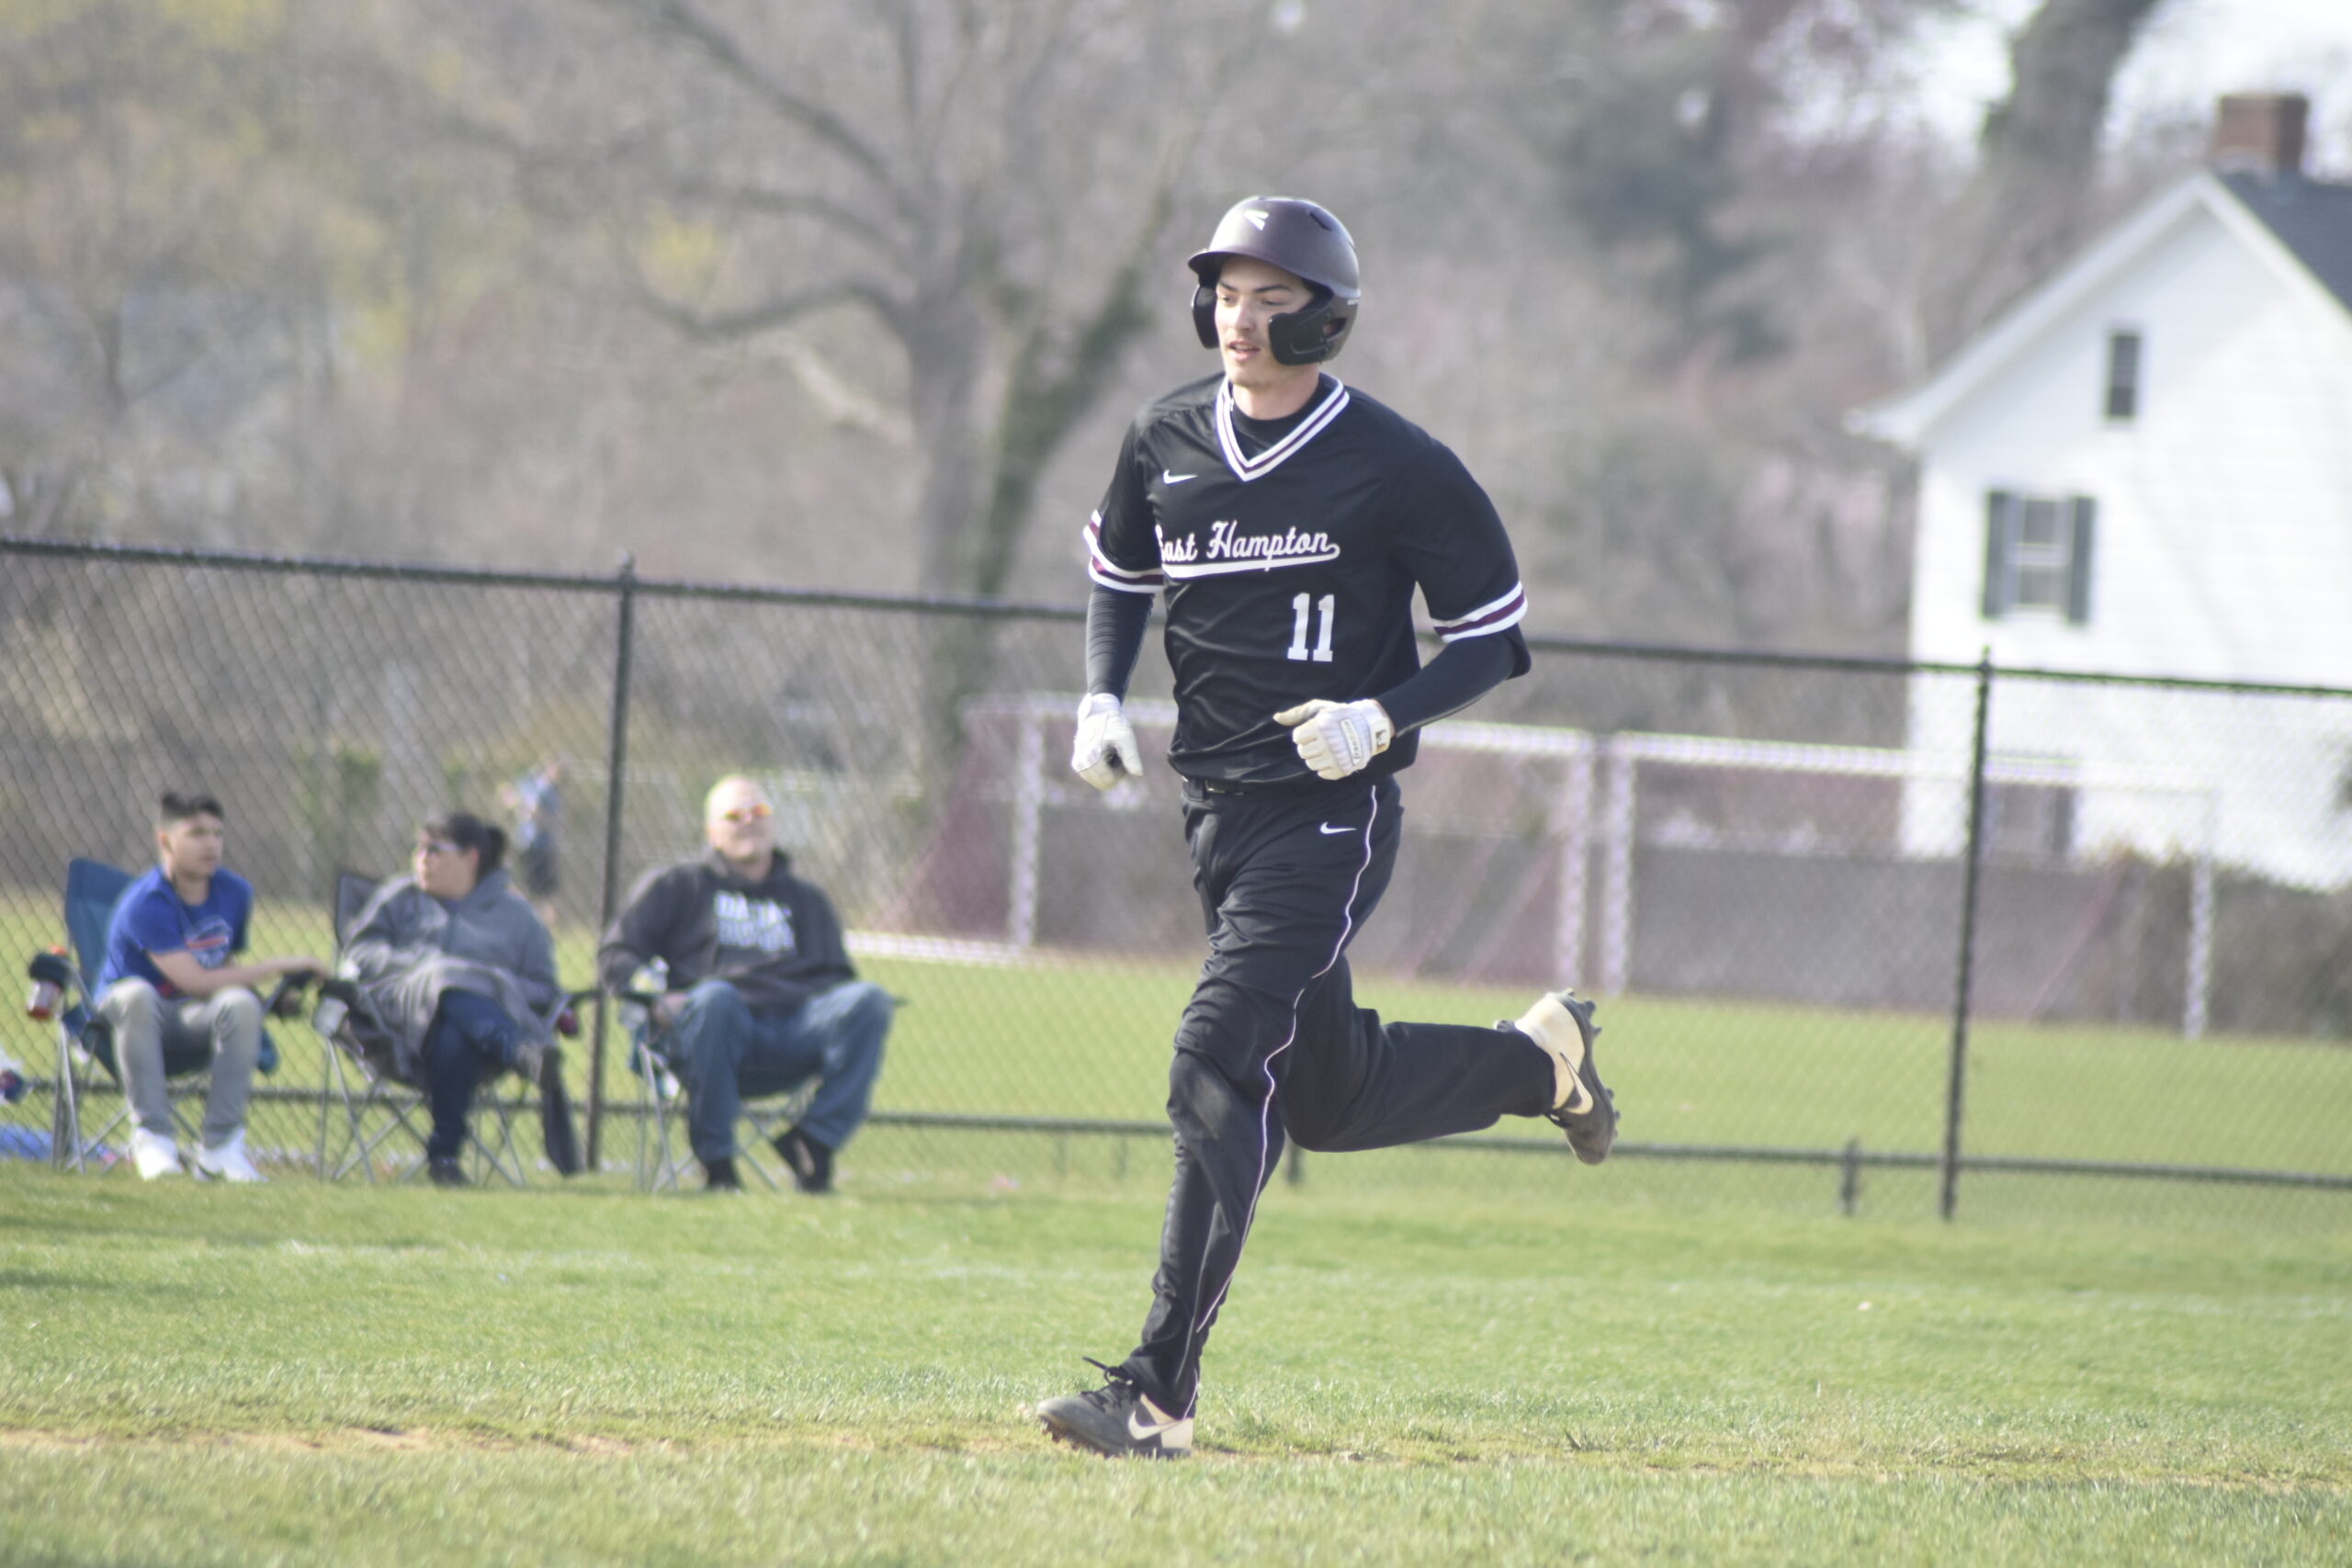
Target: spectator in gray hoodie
x=457 y=968
x=758 y=996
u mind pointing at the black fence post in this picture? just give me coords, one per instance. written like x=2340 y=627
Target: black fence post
x=1947 y=1195
x=616 y=761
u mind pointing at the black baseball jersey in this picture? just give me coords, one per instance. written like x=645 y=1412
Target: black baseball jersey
x=1289 y=566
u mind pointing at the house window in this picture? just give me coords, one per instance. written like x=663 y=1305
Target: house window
x=2038 y=555
x=2032 y=823
x=2122 y=377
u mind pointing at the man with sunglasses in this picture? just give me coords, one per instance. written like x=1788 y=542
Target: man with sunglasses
x=758 y=995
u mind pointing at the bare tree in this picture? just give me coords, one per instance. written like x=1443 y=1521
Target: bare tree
x=983 y=189
x=392 y=278
x=2029 y=201
x=151 y=247
x=1703 y=175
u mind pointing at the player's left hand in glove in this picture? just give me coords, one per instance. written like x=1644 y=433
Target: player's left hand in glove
x=1106 y=751
x=1338 y=738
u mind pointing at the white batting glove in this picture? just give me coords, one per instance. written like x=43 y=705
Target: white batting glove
x=1106 y=751
x=1338 y=738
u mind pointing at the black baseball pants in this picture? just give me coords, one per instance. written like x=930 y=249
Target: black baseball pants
x=1273 y=1045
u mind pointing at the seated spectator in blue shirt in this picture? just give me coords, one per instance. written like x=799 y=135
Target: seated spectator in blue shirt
x=171 y=981
x=456 y=965
x=759 y=996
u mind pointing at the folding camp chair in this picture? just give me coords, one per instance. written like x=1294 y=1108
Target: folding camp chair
x=663 y=1153
x=368 y=1105
x=86 y=1039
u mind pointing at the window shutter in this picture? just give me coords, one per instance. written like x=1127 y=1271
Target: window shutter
x=2078 y=561
x=2000 y=531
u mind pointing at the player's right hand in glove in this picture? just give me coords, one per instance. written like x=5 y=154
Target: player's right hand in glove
x=1106 y=749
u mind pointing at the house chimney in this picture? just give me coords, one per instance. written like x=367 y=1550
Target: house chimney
x=2260 y=133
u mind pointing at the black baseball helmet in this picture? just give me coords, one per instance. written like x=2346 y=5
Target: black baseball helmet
x=1303 y=239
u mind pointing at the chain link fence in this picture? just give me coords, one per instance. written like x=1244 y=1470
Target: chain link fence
x=1866 y=926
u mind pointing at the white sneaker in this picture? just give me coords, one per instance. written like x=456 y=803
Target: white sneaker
x=154 y=1155
x=227 y=1162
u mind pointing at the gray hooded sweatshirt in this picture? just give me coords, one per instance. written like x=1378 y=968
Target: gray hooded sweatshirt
x=407 y=947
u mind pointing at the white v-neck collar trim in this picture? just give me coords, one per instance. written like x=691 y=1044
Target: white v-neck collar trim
x=1247 y=468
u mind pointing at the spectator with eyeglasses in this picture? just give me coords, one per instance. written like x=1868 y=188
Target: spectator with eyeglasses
x=758 y=997
x=457 y=968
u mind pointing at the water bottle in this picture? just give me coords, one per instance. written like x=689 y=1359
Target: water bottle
x=49 y=975
x=328 y=1015
x=652 y=980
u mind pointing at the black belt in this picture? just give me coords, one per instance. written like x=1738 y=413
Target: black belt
x=1273 y=789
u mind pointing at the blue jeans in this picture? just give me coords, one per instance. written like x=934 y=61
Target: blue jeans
x=470 y=1039
x=723 y=1051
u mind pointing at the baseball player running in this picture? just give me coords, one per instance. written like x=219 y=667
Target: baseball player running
x=1289 y=520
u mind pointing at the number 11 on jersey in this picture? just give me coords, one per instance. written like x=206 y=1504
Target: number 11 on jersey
x=1298 y=608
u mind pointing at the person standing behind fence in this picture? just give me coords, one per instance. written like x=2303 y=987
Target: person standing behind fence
x=170 y=982
x=760 y=994
x=457 y=968
x=536 y=800
x=1290 y=521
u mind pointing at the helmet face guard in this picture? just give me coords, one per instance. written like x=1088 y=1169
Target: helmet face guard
x=1304 y=240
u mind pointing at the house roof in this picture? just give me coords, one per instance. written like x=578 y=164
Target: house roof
x=2302 y=227
x=2311 y=217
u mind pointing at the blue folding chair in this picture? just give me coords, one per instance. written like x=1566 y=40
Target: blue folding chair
x=86 y=1039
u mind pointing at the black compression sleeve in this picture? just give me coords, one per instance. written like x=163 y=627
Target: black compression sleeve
x=1461 y=673
x=1114 y=627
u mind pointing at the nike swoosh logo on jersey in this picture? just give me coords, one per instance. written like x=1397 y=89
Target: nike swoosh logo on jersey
x=1344 y=828
x=1169 y=477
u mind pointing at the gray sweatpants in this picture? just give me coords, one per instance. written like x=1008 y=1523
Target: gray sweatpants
x=145 y=1025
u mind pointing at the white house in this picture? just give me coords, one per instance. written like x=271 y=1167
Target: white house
x=2144 y=468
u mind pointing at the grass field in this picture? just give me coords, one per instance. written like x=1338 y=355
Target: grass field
x=1431 y=1355
x=302 y=1374
x=1089 y=1039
